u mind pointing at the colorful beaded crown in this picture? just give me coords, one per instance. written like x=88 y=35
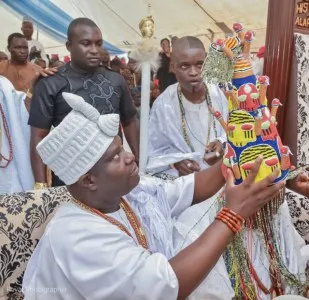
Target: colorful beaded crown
x=251 y=131
x=251 y=127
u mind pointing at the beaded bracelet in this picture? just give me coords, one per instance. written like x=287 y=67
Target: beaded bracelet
x=229 y=211
x=231 y=219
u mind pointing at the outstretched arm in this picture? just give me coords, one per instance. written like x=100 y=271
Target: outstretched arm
x=195 y=262
x=208 y=183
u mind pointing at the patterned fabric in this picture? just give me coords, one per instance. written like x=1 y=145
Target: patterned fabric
x=23 y=218
x=299 y=211
x=302 y=56
x=129 y=77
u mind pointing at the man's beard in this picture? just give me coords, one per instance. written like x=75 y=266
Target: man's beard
x=197 y=89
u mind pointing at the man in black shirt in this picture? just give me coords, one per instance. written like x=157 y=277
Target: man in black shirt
x=106 y=90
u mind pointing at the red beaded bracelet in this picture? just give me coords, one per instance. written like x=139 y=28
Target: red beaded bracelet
x=228 y=210
x=231 y=219
x=228 y=224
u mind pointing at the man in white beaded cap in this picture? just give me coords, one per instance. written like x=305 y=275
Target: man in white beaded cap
x=104 y=245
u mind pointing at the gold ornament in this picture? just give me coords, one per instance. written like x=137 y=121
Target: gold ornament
x=40 y=186
x=146 y=26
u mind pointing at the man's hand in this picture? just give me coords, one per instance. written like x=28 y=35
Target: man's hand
x=248 y=197
x=42 y=73
x=45 y=73
x=186 y=167
x=214 y=151
x=300 y=184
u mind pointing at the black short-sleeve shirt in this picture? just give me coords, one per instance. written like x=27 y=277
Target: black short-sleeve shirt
x=106 y=90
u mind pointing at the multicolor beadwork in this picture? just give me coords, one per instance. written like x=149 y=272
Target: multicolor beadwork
x=251 y=132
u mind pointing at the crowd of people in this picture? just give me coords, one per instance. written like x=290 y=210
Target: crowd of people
x=26 y=62
x=124 y=237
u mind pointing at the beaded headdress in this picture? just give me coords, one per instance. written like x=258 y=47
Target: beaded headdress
x=251 y=131
x=251 y=128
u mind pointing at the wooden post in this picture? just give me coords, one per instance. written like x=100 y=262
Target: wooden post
x=278 y=54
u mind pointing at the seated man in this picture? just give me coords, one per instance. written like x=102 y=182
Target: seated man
x=105 y=245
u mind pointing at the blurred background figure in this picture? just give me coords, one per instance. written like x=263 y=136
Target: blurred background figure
x=3 y=56
x=55 y=61
x=116 y=64
x=258 y=63
x=165 y=74
x=40 y=62
x=36 y=49
x=105 y=58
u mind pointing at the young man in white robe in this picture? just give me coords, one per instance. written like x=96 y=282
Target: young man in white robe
x=179 y=145
x=105 y=245
x=182 y=128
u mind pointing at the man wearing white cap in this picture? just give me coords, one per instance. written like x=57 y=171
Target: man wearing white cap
x=36 y=49
x=104 y=245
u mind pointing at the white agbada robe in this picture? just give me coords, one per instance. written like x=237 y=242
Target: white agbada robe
x=166 y=143
x=83 y=256
x=167 y=146
x=17 y=176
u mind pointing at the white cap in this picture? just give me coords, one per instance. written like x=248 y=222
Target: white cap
x=72 y=148
x=27 y=19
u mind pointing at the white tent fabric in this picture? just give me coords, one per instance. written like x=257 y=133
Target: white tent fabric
x=119 y=19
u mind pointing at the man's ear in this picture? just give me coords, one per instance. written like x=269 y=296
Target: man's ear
x=88 y=181
x=68 y=46
x=173 y=65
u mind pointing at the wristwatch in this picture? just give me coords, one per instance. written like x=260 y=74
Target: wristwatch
x=40 y=186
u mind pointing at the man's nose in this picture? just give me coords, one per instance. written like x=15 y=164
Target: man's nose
x=129 y=157
x=193 y=71
x=94 y=49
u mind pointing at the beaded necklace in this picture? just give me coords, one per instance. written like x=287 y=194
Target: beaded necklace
x=134 y=222
x=183 y=118
x=7 y=133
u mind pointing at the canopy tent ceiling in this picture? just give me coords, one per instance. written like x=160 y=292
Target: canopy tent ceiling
x=118 y=19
